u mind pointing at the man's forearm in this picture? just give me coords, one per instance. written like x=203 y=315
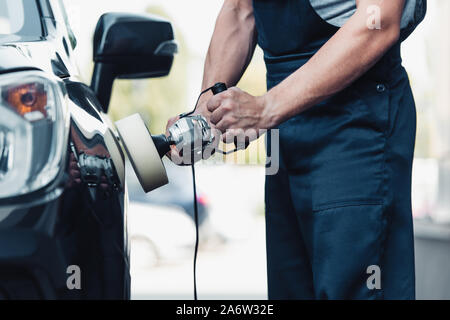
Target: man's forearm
x=351 y=52
x=232 y=44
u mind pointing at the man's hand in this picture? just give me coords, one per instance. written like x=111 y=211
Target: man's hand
x=236 y=111
x=173 y=154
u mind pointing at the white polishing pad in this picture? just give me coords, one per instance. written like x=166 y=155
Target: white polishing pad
x=142 y=152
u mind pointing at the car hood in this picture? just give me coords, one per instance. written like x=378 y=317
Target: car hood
x=40 y=55
x=11 y=59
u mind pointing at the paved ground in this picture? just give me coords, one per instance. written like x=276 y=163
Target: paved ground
x=231 y=271
x=233 y=267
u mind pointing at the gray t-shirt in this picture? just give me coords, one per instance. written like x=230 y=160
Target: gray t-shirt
x=337 y=12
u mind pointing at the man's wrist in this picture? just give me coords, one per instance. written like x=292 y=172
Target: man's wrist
x=270 y=114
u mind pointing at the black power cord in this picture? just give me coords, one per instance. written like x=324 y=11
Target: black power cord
x=217 y=88
x=194 y=187
x=196 y=230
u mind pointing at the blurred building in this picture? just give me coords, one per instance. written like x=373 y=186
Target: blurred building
x=427 y=59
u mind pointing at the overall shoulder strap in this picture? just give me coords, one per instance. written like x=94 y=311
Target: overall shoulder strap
x=413 y=15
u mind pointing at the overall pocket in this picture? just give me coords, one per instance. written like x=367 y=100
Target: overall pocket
x=349 y=165
x=348 y=241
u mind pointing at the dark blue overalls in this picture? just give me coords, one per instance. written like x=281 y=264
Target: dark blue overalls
x=341 y=201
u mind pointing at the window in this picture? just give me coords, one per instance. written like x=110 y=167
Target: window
x=19 y=17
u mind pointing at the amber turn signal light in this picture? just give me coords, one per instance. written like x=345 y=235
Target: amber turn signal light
x=27 y=98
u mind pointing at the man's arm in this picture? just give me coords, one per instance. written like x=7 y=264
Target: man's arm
x=351 y=52
x=231 y=48
x=230 y=51
x=232 y=45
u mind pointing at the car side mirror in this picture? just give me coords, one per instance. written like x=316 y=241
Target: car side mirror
x=130 y=46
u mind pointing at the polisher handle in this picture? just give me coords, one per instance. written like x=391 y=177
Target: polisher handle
x=218 y=88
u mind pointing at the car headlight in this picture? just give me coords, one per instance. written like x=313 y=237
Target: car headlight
x=33 y=120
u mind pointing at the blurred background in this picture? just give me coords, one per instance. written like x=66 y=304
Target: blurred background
x=232 y=246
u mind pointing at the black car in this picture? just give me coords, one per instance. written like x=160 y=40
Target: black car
x=63 y=198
